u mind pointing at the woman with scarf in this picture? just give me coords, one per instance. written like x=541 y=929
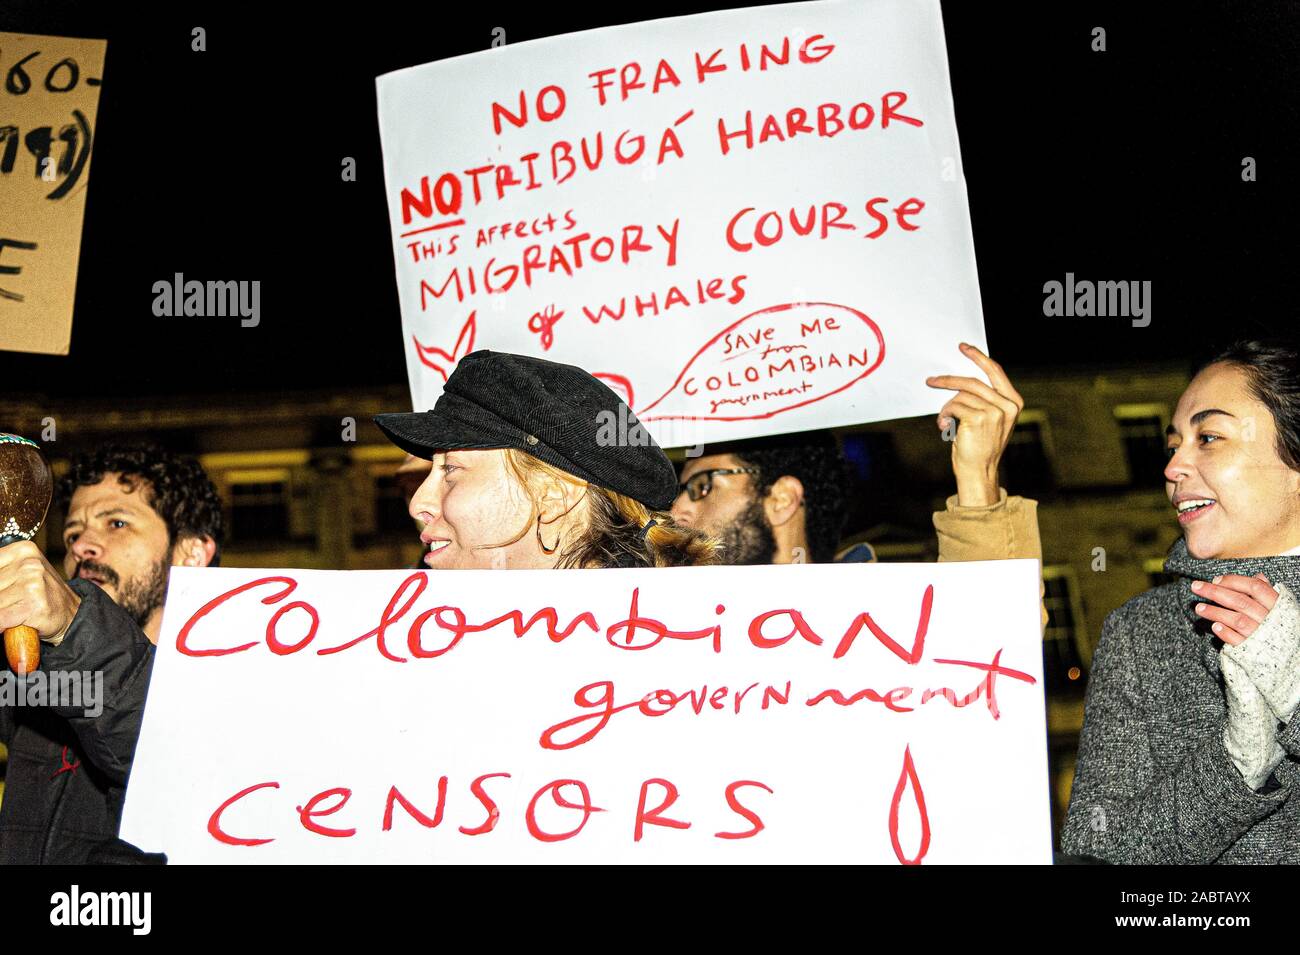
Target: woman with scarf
x=1190 y=751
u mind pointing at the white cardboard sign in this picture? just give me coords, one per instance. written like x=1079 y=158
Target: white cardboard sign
x=747 y=222
x=806 y=713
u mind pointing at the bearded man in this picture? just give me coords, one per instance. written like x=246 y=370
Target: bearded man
x=781 y=499
x=132 y=513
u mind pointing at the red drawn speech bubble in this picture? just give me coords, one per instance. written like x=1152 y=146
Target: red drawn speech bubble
x=774 y=360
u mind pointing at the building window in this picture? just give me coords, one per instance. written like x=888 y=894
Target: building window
x=383 y=480
x=1142 y=434
x=259 y=511
x=258 y=491
x=1027 y=460
x=1064 y=671
x=391 y=514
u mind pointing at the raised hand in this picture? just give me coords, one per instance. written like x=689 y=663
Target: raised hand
x=985 y=415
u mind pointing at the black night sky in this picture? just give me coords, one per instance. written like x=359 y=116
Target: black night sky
x=1122 y=165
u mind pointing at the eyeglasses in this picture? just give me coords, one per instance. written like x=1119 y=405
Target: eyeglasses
x=698 y=485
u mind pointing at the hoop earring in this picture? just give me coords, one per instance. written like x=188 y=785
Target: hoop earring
x=545 y=549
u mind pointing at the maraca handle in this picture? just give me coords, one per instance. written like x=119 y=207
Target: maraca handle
x=23 y=649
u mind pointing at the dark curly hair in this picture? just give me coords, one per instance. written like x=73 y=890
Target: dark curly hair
x=176 y=487
x=1272 y=368
x=817 y=460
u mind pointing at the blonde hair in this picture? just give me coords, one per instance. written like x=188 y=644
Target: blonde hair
x=612 y=536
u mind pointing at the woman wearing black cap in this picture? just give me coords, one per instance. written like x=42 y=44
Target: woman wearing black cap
x=527 y=473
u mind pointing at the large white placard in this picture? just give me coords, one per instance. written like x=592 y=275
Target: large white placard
x=810 y=713
x=747 y=222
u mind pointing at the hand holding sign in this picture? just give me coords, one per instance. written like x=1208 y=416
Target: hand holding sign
x=988 y=415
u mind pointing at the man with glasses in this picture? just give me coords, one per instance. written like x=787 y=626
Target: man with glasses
x=780 y=500
x=773 y=500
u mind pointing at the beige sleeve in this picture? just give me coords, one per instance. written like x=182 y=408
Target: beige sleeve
x=1270 y=656
x=1249 y=736
x=1003 y=530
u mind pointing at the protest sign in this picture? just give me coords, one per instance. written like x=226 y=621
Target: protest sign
x=48 y=100
x=799 y=713
x=747 y=222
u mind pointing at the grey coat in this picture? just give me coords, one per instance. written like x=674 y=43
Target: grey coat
x=1154 y=783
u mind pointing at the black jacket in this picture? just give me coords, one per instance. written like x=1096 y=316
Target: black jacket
x=67 y=772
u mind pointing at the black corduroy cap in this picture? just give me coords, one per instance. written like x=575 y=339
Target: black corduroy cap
x=559 y=414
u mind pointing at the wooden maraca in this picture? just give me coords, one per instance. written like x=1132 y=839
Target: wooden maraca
x=25 y=491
